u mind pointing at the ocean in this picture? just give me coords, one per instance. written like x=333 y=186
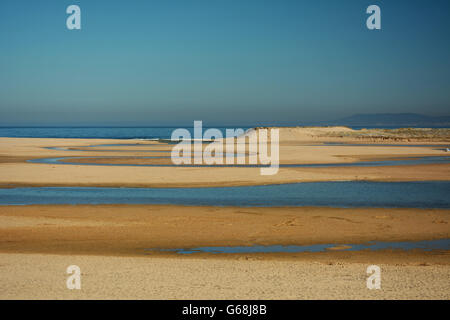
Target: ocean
x=144 y=133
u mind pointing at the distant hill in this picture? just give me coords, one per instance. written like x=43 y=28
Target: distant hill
x=393 y=120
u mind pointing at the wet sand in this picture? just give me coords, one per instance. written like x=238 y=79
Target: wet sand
x=129 y=230
x=109 y=242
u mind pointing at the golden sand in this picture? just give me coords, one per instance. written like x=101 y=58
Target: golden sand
x=129 y=230
x=297 y=146
x=109 y=242
x=37 y=276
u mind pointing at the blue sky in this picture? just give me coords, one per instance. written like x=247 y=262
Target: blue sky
x=234 y=62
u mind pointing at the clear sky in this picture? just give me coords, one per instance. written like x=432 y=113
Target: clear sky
x=240 y=62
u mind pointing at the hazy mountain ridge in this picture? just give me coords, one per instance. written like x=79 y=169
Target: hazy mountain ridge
x=392 y=119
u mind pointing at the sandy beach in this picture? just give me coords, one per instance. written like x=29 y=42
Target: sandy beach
x=118 y=247
x=131 y=229
x=108 y=243
x=205 y=150
x=297 y=146
x=37 y=276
